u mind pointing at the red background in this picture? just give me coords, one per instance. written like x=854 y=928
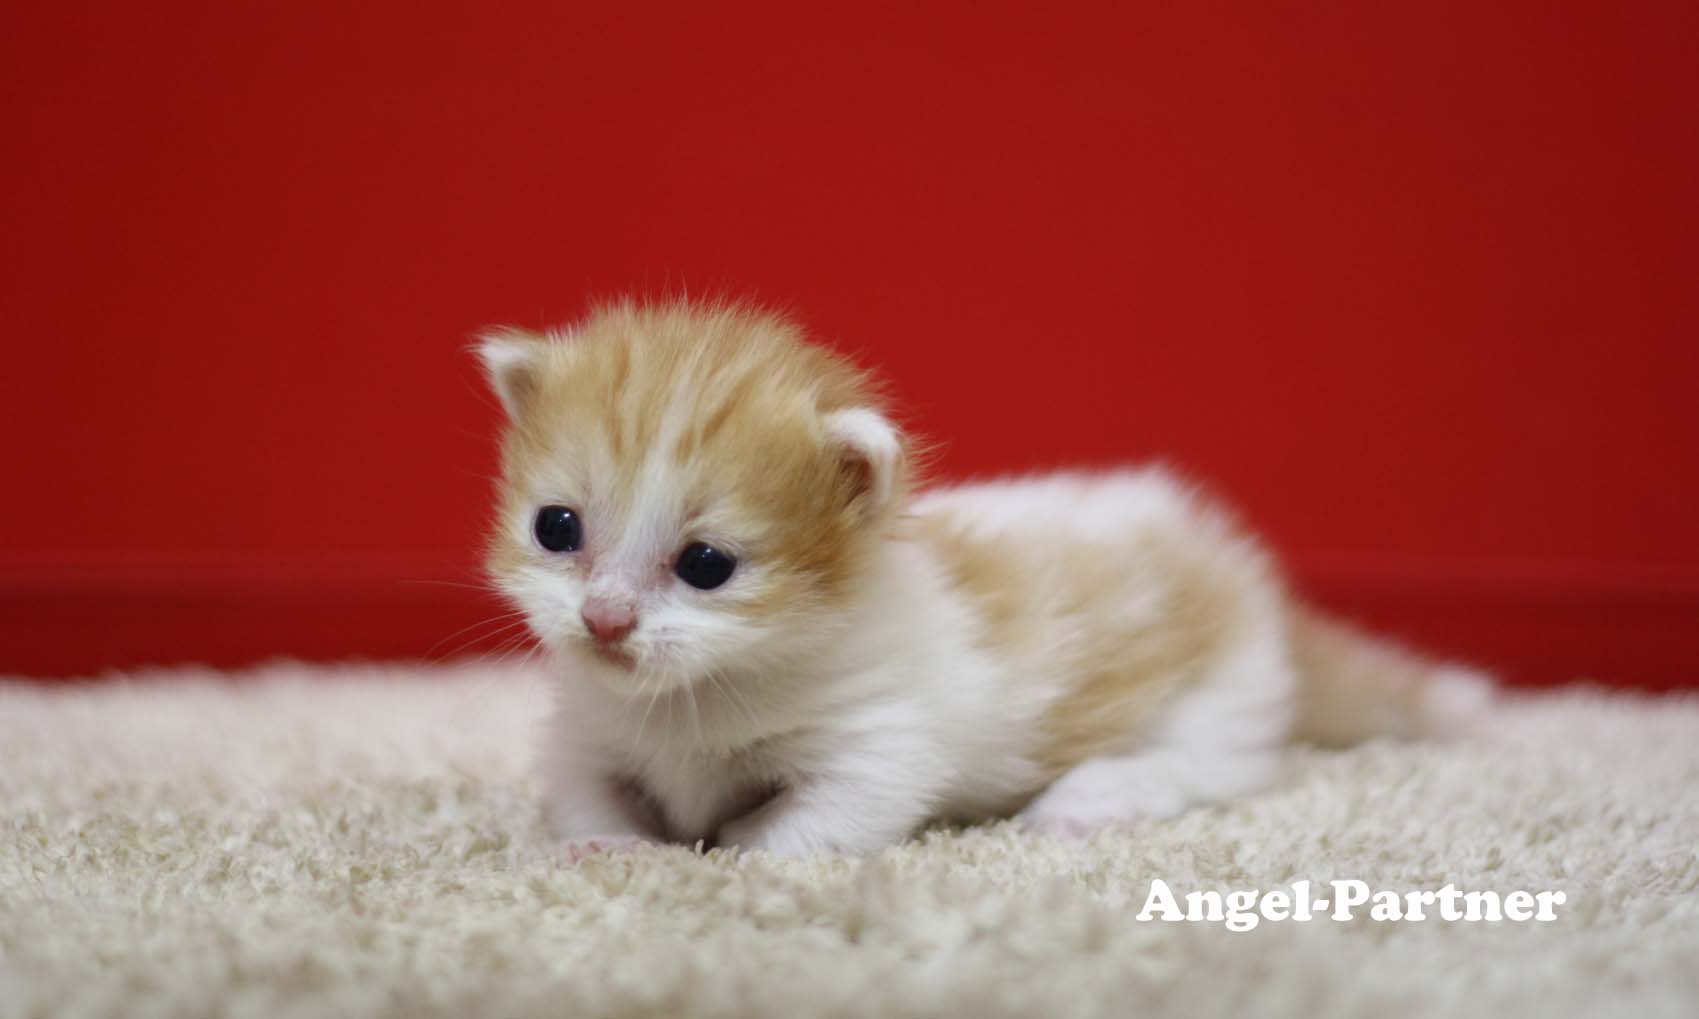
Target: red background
x=1417 y=287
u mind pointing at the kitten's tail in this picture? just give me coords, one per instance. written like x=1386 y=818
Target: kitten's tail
x=1354 y=686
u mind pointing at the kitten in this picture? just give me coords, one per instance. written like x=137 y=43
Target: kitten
x=766 y=639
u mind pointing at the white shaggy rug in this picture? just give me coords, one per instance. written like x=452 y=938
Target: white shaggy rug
x=363 y=841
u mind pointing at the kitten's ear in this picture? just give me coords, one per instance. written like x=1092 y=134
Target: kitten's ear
x=870 y=454
x=510 y=359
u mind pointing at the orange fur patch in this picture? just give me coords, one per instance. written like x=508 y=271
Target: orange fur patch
x=1120 y=626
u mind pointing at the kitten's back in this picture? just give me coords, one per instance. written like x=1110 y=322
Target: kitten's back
x=1117 y=588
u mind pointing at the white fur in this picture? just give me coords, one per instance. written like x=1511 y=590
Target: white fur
x=889 y=713
x=877 y=740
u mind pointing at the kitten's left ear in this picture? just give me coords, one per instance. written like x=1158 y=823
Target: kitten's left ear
x=510 y=359
x=870 y=453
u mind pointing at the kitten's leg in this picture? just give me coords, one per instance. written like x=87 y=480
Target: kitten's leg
x=1105 y=792
x=1222 y=737
x=591 y=813
x=588 y=809
x=857 y=803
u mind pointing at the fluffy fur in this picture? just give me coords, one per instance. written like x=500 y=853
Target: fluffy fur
x=1085 y=650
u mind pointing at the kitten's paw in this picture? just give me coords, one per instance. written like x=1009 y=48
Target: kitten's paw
x=745 y=834
x=1106 y=792
x=575 y=851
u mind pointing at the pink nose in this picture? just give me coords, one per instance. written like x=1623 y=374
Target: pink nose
x=609 y=624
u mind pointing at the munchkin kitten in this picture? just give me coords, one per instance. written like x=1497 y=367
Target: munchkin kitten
x=764 y=637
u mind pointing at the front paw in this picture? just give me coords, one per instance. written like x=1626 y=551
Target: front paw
x=741 y=837
x=575 y=851
x=756 y=832
x=1103 y=793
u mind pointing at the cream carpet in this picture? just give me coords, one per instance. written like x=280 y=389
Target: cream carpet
x=365 y=841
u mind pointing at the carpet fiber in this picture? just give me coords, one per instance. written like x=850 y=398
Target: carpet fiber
x=366 y=841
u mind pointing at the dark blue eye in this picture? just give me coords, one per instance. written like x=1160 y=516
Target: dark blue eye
x=704 y=566
x=558 y=530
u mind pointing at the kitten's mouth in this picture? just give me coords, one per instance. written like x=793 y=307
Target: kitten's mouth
x=615 y=656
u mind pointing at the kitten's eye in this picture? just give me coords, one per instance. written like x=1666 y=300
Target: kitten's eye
x=704 y=566
x=557 y=529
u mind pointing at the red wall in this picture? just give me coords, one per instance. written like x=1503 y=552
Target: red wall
x=1416 y=286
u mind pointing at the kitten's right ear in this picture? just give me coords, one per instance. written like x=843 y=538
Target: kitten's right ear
x=511 y=358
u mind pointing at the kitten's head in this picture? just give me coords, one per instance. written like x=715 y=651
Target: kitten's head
x=687 y=491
